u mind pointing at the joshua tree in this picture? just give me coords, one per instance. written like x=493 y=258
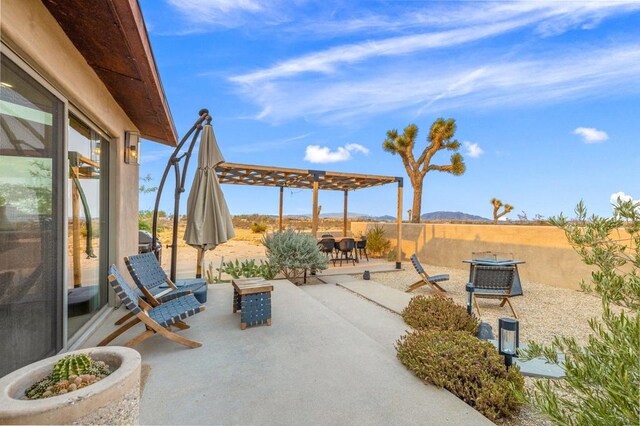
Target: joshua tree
x=410 y=212
x=496 y=206
x=440 y=137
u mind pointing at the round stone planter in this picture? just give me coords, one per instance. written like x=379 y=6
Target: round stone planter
x=113 y=400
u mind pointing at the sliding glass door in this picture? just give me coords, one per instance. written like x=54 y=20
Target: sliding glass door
x=31 y=223
x=87 y=222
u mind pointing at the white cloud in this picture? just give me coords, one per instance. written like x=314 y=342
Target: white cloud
x=322 y=19
x=479 y=80
x=620 y=196
x=591 y=134
x=204 y=16
x=318 y=154
x=356 y=147
x=473 y=149
x=326 y=61
x=451 y=26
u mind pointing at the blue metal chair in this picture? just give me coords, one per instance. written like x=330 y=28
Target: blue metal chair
x=157 y=319
x=426 y=279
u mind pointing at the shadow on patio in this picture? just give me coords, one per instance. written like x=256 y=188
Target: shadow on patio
x=328 y=358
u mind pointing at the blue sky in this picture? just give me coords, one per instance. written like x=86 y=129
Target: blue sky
x=545 y=96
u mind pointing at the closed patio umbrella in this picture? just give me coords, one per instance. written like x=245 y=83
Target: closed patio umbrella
x=208 y=219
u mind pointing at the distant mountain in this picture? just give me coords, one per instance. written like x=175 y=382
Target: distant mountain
x=350 y=215
x=440 y=215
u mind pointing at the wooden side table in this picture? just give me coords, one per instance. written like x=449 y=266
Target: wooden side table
x=252 y=297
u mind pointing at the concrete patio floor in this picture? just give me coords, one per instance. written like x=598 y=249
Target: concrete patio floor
x=327 y=359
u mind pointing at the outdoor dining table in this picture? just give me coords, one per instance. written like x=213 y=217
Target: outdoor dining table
x=516 y=289
x=337 y=241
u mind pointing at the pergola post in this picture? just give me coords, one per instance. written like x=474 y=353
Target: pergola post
x=280 y=211
x=314 y=213
x=399 y=225
x=344 y=219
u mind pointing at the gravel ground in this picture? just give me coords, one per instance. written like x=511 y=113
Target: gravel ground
x=544 y=312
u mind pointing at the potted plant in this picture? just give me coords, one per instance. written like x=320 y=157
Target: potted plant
x=88 y=386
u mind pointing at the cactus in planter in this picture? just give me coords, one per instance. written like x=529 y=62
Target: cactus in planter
x=69 y=374
x=72 y=365
x=98 y=369
x=40 y=387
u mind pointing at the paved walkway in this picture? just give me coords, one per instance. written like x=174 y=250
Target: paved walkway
x=396 y=300
x=380 y=294
x=318 y=364
x=347 y=268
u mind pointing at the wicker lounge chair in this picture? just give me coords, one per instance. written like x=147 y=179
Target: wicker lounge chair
x=154 y=285
x=158 y=319
x=492 y=282
x=430 y=280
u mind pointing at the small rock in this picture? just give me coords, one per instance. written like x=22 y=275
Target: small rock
x=47 y=394
x=78 y=381
x=72 y=387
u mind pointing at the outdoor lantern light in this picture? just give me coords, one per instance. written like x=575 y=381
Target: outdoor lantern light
x=132 y=147
x=508 y=339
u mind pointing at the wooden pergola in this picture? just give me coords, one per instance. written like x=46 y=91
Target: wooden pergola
x=316 y=180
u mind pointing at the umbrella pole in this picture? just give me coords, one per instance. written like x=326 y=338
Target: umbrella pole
x=174 y=161
x=200 y=266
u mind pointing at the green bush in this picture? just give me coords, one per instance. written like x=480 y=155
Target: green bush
x=391 y=256
x=468 y=367
x=292 y=252
x=144 y=224
x=602 y=378
x=258 y=228
x=377 y=244
x=249 y=268
x=439 y=313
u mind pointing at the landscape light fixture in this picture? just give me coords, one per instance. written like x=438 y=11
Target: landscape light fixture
x=132 y=147
x=508 y=339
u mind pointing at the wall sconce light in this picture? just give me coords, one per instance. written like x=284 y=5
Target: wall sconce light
x=508 y=339
x=132 y=147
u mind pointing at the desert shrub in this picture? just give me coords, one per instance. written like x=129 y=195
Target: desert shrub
x=291 y=252
x=249 y=268
x=391 y=256
x=144 y=224
x=377 y=243
x=602 y=378
x=439 y=313
x=468 y=367
x=258 y=228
